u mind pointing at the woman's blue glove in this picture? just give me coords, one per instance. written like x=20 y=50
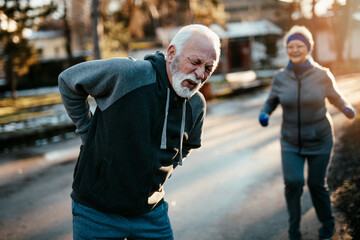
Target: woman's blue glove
x=349 y=111
x=264 y=119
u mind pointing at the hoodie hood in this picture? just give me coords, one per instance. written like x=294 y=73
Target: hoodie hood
x=158 y=62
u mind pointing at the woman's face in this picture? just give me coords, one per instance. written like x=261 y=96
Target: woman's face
x=297 y=51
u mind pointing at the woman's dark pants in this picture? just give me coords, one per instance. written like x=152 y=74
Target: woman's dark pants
x=293 y=172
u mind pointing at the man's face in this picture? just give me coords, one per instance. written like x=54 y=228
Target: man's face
x=185 y=85
x=193 y=66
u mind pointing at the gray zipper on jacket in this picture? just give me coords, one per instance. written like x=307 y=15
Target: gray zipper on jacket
x=299 y=111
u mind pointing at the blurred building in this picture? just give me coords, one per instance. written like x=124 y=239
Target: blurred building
x=336 y=45
x=248 y=45
x=251 y=38
x=254 y=10
x=50 y=46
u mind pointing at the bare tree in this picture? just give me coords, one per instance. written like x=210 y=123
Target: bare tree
x=94 y=27
x=67 y=33
x=16 y=53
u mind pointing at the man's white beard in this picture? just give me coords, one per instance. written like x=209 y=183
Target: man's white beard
x=178 y=77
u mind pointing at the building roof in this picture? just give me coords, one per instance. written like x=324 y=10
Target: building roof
x=234 y=30
x=46 y=34
x=245 y=29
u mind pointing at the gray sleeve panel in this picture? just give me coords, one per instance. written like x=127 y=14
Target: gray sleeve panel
x=272 y=100
x=333 y=93
x=105 y=80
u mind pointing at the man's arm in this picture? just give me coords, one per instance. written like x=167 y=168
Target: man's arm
x=105 y=80
x=77 y=83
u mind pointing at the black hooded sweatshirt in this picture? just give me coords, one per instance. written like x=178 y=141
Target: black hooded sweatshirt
x=132 y=143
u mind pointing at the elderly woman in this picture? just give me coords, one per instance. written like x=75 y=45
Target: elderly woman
x=307 y=131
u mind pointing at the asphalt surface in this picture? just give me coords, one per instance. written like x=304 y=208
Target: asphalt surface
x=231 y=188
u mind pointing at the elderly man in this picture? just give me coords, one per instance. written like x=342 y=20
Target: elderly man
x=149 y=116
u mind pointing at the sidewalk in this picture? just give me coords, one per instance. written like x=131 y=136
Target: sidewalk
x=37 y=117
x=33 y=117
x=310 y=226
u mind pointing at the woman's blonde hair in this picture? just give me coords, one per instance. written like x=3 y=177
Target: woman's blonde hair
x=300 y=30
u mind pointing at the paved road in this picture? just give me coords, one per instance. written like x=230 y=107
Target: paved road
x=231 y=188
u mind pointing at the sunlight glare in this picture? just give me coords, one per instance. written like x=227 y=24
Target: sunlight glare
x=322 y=6
x=38 y=3
x=7 y=24
x=27 y=32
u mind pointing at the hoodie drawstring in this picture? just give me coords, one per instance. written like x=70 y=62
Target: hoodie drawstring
x=163 y=136
x=182 y=128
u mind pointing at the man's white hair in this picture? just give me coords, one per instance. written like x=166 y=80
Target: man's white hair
x=303 y=31
x=186 y=32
